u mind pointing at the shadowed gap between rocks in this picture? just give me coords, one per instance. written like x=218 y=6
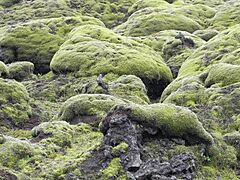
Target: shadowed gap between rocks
x=155 y=88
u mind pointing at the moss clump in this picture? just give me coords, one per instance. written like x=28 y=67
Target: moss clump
x=206 y=34
x=171 y=120
x=129 y=87
x=149 y=23
x=92 y=50
x=3 y=70
x=37 y=41
x=114 y=170
x=13 y=150
x=223 y=74
x=20 y=70
x=59 y=133
x=120 y=149
x=14 y=103
x=88 y=108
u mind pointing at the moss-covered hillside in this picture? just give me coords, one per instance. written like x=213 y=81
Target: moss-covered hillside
x=119 y=89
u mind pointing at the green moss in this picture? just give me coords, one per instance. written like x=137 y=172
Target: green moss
x=223 y=74
x=37 y=41
x=188 y=95
x=206 y=34
x=129 y=87
x=3 y=69
x=212 y=52
x=119 y=149
x=172 y=121
x=14 y=150
x=87 y=107
x=8 y=3
x=227 y=16
x=14 y=103
x=20 y=70
x=114 y=170
x=93 y=49
x=149 y=23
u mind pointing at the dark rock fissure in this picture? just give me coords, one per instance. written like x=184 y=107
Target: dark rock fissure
x=155 y=88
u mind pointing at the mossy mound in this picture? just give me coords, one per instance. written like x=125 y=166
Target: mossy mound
x=223 y=74
x=14 y=103
x=110 y=12
x=129 y=87
x=48 y=155
x=88 y=108
x=227 y=15
x=92 y=50
x=171 y=120
x=37 y=41
x=20 y=70
x=149 y=21
x=3 y=69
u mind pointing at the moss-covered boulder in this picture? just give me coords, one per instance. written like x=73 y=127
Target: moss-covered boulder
x=38 y=40
x=88 y=108
x=223 y=74
x=92 y=50
x=227 y=15
x=149 y=21
x=171 y=120
x=129 y=87
x=20 y=70
x=3 y=69
x=55 y=150
x=8 y=3
x=206 y=34
x=14 y=103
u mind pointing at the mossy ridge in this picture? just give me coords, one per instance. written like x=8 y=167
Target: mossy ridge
x=172 y=121
x=88 y=107
x=21 y=42
x=15 y=107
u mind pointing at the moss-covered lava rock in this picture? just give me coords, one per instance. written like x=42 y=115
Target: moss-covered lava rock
x=20 y=70
x=38 y=40
x=3 y=69
x=14 y=103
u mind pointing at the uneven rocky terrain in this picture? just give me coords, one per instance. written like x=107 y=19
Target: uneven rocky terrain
x=119 y=89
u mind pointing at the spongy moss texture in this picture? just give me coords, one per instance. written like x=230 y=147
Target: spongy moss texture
x=66 y=66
